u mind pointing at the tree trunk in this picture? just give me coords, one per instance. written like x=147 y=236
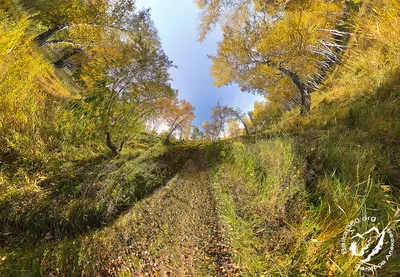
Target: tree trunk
x=43 y=37
x=171 y=131
x=305 y=102
x=122 y=143
x=58 y=41
x=110 y=144
x=304 y=93
x=166 y=141
x=63 y=61
x=239 y=117
x=167 y=138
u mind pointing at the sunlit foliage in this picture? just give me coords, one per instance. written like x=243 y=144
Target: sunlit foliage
x=273 y=48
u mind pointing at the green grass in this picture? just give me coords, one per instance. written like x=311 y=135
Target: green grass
x=89 y=249
x=68 y=198
x=339 y=162
x=260 y=193
x=286 y=201
x=284 y=196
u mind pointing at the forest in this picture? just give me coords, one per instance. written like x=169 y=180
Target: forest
x=103 y=171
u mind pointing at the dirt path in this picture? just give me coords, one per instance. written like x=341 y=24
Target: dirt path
x=178 y=229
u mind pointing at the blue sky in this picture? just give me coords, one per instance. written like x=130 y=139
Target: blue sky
x=176 y=21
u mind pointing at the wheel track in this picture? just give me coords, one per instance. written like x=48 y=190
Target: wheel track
x=178 y=231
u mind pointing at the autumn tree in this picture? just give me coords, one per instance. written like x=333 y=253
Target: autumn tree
x=208 y=130
x=233 y=128
x=121 y=70
x=196 y=134
x=264 y=113
x=238 y=115
x=82 y=30
x=126 y=79
x=184 y=132
x=215 y=128
x=272 y=47
x=219 y=116
x=178 y=117
x=73 y=26
x=121 y=113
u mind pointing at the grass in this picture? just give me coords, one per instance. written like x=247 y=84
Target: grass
x=72 y=197
x=259 y=190
x=337 y=163
x=285 y=208
x=279 y=201
x=127 y=238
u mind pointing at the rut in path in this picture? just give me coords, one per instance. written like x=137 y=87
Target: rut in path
x=178 y=232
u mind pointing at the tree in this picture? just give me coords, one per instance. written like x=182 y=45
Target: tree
x=122 y=71
x=272 y=47
x=83 y=30
x=233 y=129
x=208 y=130
x=127 y=80
x=120 y=113
x=265 y=113
x=178 y=116
x=73 y=26
x=239 y=115
x=219 y=116
x=196 y=134
x=184 y=131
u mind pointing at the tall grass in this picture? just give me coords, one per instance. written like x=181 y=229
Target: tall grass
x=345 y=151
x=285 y=209
x=261 y=195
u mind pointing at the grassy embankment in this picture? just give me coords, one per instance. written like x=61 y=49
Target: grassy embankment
x=286 y=195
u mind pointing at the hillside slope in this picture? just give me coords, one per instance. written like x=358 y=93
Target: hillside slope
x=275 y=203
x=255 y=207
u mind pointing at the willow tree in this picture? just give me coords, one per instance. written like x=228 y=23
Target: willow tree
x=272 y=47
